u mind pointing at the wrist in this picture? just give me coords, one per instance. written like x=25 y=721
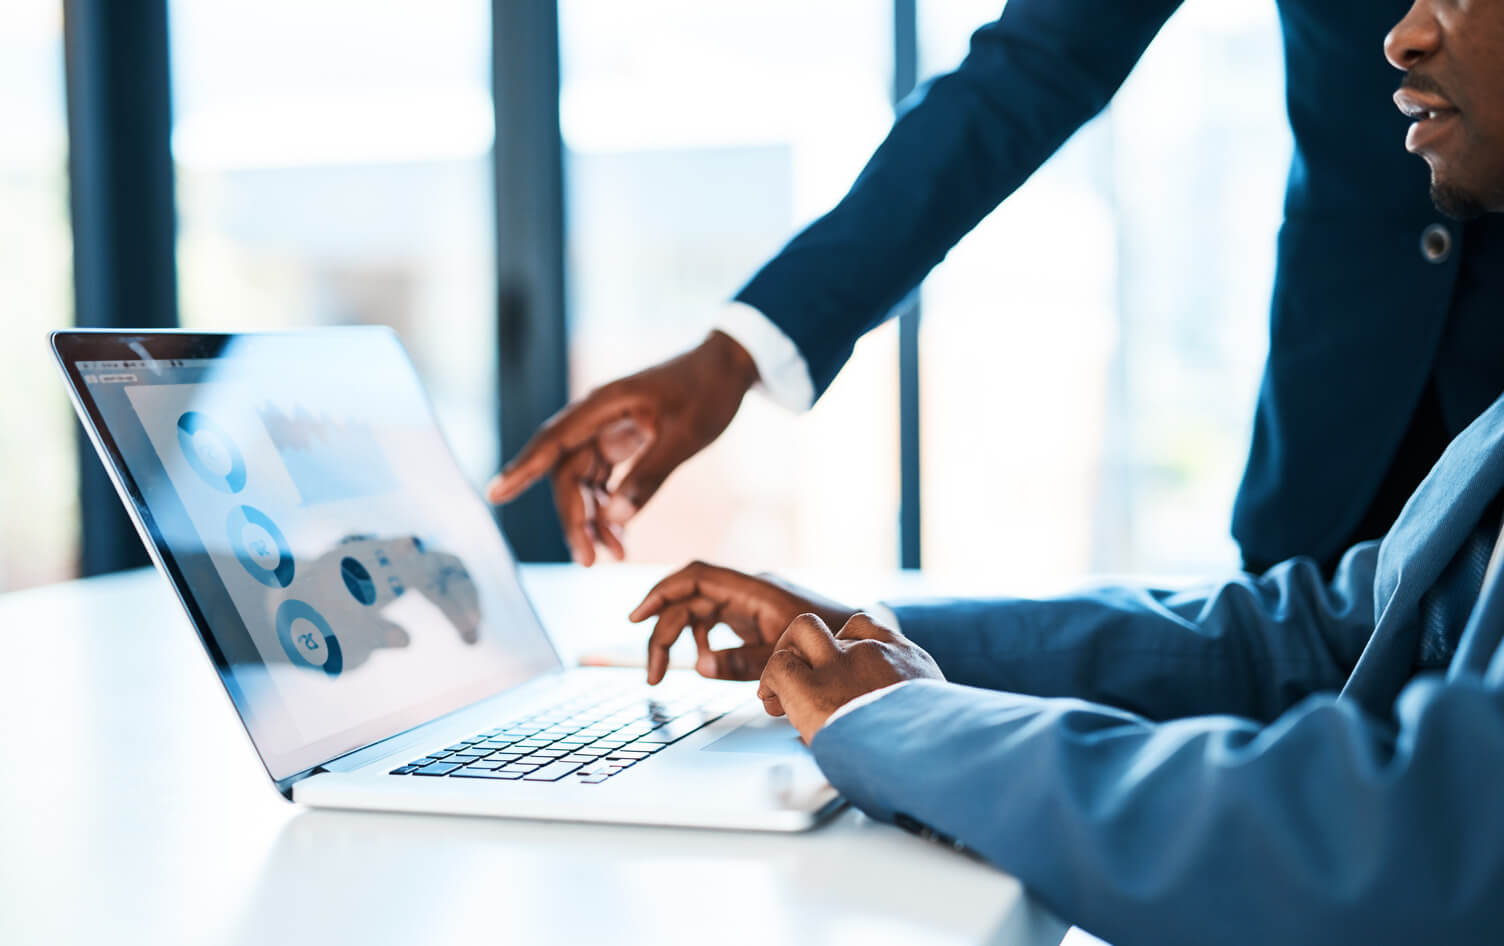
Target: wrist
x=727 y=357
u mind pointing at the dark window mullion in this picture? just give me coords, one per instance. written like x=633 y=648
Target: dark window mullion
x=531 y=334
x=905 y=78
x=121 y=200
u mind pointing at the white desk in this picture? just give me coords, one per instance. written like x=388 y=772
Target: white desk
x=132 y=810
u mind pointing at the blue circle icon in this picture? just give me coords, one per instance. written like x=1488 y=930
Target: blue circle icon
x=311 y=644
x=211 y=453
x=256 y=540
x=358 y=580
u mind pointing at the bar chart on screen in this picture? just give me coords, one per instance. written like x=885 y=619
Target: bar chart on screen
x=327 y=459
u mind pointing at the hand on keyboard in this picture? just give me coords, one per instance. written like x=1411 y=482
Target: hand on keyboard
x=758 y=609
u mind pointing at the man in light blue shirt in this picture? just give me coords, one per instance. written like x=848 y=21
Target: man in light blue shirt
x=1278 y=758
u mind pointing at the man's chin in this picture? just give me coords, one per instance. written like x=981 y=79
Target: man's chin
x=1457 y=202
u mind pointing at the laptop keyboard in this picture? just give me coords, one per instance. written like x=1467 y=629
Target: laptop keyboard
x=585 y=739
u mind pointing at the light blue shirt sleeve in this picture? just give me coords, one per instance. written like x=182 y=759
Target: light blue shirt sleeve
x=1328 y=826
x=1325 y=823
x=1252 y=646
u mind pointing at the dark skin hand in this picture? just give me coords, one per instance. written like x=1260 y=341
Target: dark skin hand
x=759 y=609
x=608 y=453
x=812 y=672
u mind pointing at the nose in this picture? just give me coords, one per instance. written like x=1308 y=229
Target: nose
x=1413 y=38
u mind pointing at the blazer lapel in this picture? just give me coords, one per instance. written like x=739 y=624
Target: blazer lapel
x=1438 y=518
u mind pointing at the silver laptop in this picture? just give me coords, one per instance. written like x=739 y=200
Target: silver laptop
x=364 y=612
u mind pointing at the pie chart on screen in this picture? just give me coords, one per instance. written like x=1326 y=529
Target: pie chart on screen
x=211 y=453
x=260 y=547
x=358 y=581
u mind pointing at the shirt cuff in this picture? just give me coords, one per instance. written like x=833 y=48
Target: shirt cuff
x=863 y=700
x=782 y=372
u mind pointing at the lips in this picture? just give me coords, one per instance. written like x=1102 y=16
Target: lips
x=1433 y=117
x=1420 y=107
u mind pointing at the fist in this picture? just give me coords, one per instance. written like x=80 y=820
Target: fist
x=812 y=672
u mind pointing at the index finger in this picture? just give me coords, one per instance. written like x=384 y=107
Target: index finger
x=670 y=625
x=694 y=579
x=560 y=434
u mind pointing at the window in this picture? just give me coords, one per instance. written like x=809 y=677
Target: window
x=699 y=138
x=39 y=516
x=1112 y=346
x=333 y=166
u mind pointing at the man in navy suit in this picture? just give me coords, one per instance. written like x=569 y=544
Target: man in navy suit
x=1384 y=338
x=1276 y=759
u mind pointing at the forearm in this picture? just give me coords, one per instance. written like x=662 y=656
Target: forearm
x=1328 y=826
x=973 y=136
x=1251 y=646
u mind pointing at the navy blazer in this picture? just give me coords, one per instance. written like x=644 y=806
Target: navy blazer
x=1361 y=322
x=1275 y=759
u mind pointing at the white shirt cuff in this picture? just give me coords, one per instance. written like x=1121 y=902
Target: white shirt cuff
x=783 y=374
x=863 y=700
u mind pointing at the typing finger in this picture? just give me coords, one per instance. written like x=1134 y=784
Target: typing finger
x=671 y=623
x=701 y=631
x=745 y=601
x=692 y=580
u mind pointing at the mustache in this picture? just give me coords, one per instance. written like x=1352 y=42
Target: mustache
x=1420 y=82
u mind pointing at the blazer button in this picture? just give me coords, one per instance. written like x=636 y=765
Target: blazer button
x=1436 y=243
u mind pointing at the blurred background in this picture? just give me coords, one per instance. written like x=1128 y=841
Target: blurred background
x=534 y=225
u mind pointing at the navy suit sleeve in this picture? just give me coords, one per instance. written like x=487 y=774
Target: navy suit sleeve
x=973 y=136
x=1328 y=826
x=1253 y=646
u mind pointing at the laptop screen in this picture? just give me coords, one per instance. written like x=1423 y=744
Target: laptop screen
x=347 y=580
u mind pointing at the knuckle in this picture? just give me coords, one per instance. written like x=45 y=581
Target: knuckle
x=806 y=623
x=603 y=392
x=779 y=662
x=857 y=625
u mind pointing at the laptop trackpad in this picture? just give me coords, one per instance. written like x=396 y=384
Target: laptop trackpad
x=765 y=736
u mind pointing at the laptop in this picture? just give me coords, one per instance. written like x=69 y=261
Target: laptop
x=364 y=612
